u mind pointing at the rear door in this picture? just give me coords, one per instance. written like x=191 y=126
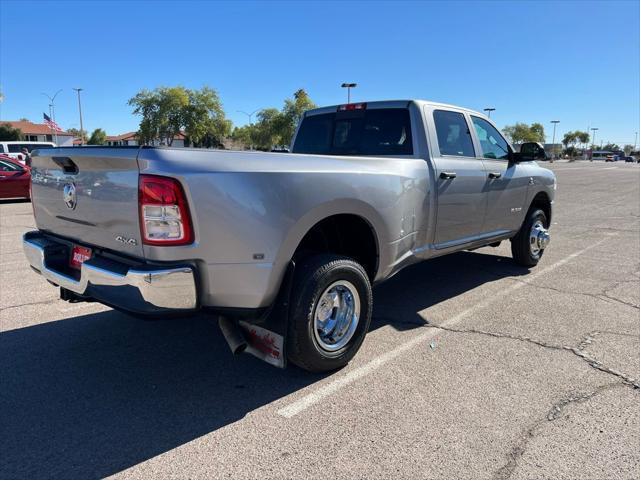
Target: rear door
x=506 y=183
x=89 y=195
x=460 y=179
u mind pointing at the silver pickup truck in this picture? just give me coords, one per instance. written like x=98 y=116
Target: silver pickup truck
x=284 y=247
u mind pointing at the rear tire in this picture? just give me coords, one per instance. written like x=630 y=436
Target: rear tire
x=330 y=312
x=522 y=250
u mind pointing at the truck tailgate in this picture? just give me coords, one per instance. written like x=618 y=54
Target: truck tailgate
x=89 y=195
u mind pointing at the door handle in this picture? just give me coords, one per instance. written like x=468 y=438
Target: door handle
x=495 y=174
x=448 y=175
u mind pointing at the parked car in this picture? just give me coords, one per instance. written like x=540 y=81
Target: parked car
x=629 y=158
x=14 y=178
x=14 y=148
x=286 y=246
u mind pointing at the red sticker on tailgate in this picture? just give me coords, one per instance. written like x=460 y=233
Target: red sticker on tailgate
x=79 y=255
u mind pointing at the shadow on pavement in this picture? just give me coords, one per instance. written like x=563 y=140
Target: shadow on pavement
x=89 y=396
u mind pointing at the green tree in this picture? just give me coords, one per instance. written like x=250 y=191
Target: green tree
x=275 y=127
x=536 y=133
x=291 y=114
x=521 y=132
x=167 y=111
x=162 y=112
x=244 y=135
x=583 y=137
x=266 y=132
x=9 y=134
x=611 y=147
x=98 y=137
x=77 y=133
x=569 y=139
x=204 y=120
x=627 y=149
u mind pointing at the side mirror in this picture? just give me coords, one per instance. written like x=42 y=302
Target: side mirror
x=531 y=151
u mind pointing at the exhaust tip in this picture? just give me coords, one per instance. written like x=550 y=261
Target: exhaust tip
x=233 y=335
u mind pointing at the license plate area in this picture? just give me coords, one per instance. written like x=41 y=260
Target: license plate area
x=79 y=255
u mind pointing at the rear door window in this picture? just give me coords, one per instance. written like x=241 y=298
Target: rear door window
x=377 y=132
x=454 y=137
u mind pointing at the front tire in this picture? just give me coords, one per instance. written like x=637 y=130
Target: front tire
x=330 y=312
x=527 y=247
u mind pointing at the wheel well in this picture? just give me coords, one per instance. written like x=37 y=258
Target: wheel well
x=541 y=201
x=344 y=234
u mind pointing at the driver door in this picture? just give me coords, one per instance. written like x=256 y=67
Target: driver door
x=506 y=183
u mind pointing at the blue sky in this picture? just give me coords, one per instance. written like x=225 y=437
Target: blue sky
x=578 y=62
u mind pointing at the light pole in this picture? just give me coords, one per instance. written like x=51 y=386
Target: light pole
x=553 y=142
x=635 y=142
x=52 y=110
x=593 y=139
x=80 y=111
x=489 y=110
x=349 y=86
x=248 y=115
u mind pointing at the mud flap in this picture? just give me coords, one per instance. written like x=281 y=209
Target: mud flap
x=267 y=336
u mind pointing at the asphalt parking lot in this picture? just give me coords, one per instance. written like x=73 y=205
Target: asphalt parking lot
x=473 y=368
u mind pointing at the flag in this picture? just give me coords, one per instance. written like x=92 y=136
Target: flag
x=52 y=125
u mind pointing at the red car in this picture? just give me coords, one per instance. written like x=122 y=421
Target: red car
x=14 y=178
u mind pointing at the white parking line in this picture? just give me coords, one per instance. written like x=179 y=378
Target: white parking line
x=333 y=386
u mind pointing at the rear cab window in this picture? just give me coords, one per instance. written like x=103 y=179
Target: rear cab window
x=373 y=132
x=454 y=136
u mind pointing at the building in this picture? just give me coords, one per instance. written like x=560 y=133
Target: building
x=40 y=132
x=131 y=138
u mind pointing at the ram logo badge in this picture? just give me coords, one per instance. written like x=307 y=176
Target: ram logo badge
x=69 y=196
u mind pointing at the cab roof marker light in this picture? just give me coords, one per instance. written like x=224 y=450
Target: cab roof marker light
x=352 y=106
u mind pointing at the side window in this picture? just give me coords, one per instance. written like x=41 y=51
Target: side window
x=454 y=137
x=492 y=143
x=9 y=167
x=1 y=148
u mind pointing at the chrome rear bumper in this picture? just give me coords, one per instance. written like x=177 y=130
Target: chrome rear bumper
x=146 y=289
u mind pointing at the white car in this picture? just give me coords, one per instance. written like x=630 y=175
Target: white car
x=14 y=149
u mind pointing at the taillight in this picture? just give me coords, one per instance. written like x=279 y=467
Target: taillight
x=164 y=213
x=352 y=106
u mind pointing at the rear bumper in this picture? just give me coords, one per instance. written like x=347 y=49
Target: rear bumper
x=144 y=289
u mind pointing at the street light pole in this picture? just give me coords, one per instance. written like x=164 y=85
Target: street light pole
x=80 y=111
x=349 y=86
x=593 y=138
x=635 y=142
x=553 y=142
x=489 y=110
x=52 y=110
x=248 y=115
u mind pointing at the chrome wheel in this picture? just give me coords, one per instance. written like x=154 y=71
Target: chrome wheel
x=336 y=315
x=538 y=238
